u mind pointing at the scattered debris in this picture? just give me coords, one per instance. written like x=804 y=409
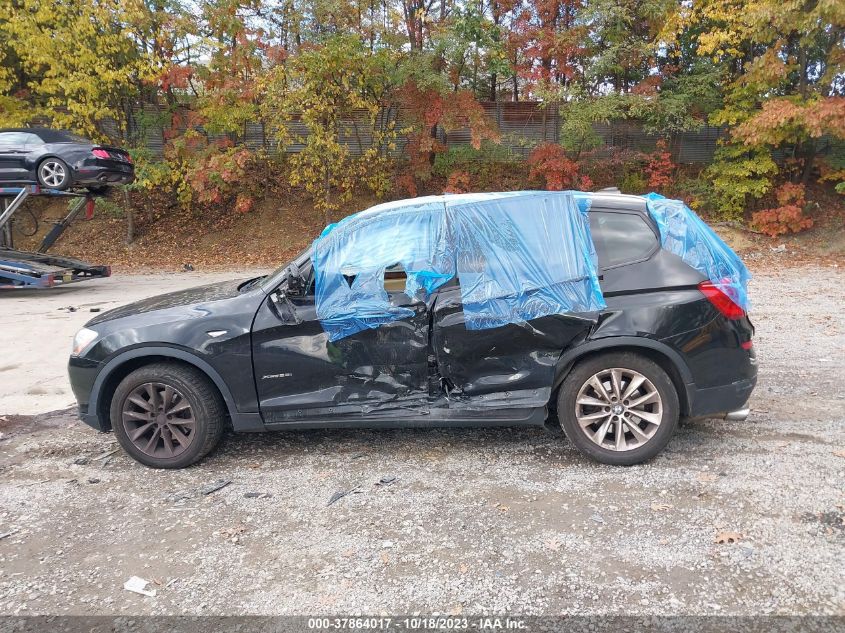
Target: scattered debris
x=725 y=537
x=839 y=453
x=95 y=309
x=104 y=455
x=386 y=481
x=660 y=507
x=233 y=534
x=778 y=249
x=215 y=486
x=81 y=461
x=257 y=495
x=187 y=268
x=340 y=494
x=69 y=308
x=829 y=519
x=553 y=544
x=93 y=480
x=706 y=477
x=139 y=585
x=7 y=534
x=597 y=518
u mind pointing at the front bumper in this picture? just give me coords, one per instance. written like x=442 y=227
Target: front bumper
x=82 y=373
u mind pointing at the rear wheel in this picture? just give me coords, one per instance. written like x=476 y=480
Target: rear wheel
x=167 y=415
x=53 y=173
x=618 y=408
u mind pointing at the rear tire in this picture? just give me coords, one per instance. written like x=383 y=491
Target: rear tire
x=167 y=415
x=53 y=173
x=599 y=403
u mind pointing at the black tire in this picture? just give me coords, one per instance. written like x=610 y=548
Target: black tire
x=206 y=407
x=644 y=449
x=50 y=166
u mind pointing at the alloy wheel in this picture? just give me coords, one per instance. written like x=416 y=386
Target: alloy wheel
x=619 y=409
x=158 y=420
x=53 y=174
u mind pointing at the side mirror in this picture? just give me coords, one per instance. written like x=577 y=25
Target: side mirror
x=294 y=283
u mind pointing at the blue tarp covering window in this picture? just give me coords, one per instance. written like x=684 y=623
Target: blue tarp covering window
x=518 y=256
x=683 y=233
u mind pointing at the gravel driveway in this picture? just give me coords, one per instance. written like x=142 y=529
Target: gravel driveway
x=733 y=518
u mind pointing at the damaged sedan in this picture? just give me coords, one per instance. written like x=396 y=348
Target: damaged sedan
x=611 y=315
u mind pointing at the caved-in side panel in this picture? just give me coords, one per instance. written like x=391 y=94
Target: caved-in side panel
x=297 y=367
x=512 y=365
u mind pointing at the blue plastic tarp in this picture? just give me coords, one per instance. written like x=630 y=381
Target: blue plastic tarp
x=518 y=256
x=683 y=233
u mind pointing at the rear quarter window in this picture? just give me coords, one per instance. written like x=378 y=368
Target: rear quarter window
x=621 y=238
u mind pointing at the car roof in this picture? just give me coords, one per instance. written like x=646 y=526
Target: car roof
x=46 y=134
x=606 y=199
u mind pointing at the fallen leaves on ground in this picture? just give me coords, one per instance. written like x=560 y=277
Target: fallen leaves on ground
x=727 y=536
x=233 y=533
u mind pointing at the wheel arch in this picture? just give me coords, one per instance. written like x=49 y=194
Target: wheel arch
x=122 y=365
x=40 y=161
x=668 y=359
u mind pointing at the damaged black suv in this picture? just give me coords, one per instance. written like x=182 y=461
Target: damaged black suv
x=169 y=374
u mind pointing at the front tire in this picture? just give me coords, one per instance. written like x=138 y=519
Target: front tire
x=167 y=415
x=618 y=408
x=54 y=173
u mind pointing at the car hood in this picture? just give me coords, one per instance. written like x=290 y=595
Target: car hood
x=180 y=298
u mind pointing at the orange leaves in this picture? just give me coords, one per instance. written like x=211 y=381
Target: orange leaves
x=786 y=120
x=660 y=167
x=549 y=162
x=427 y=109
x=788 y=217
x=175 y=76
x=458 y=182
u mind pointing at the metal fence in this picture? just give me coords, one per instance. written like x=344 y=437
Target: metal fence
x=523 y=126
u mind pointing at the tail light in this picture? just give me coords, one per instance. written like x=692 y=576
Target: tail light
x=101 y=153
x=722 y=302
x=128 y=158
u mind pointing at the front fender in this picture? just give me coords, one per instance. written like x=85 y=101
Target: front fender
x=241 y=420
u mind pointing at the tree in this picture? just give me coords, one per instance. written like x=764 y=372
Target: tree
x=324 y=88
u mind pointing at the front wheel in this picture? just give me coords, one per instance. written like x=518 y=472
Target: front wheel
x=167 y=415
x=618 y=408
x=53 y=173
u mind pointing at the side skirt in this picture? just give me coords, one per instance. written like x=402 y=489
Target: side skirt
x=432 y=418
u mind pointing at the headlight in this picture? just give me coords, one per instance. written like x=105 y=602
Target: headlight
x=82 y=340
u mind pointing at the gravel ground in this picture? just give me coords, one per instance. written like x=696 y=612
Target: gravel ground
x=459 y=521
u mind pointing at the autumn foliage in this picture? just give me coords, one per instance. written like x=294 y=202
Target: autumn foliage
x=550 y=164
x=660 y=167
x=788 y=217
x=347 y=96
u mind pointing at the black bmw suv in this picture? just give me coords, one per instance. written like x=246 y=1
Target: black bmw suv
x=169 y=374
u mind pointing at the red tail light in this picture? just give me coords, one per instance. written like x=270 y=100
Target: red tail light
x=101 y=153
x=722 y=302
